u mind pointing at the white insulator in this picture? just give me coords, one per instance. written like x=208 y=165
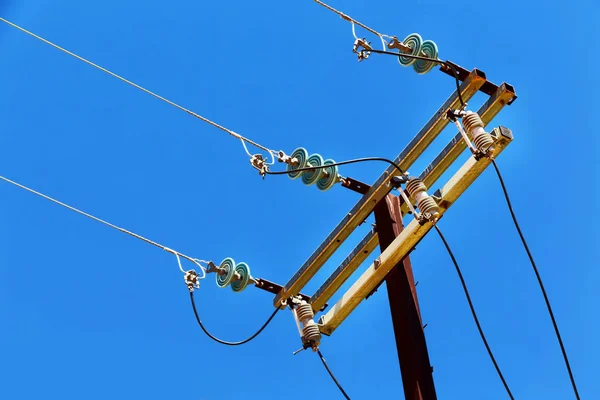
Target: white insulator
x=418 y=191
x=305 y=313
x=312 y=335
x=420 y=197
x=309 y=330
x=474 y=126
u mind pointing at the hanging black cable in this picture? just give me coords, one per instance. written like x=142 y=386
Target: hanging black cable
x=435 y=60
x=331 y=375
x=356 y=160
x=539 y=278
x=464 y=285
x=223 y=341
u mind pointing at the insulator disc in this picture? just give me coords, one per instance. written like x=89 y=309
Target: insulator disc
x=431 y=51
x=415 y=185
x=244 y=270
x=304 y=312
x=310 y=177
x=428 y=205
x=326 y=182
x=472 y=120
x=229 y=266
x=301 y=154
x=312 y=333
x=414 y=41
x=484 y=142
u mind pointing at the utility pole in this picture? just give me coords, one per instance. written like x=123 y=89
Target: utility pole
x=416 y=370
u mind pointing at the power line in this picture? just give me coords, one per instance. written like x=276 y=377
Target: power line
x=208 y=121
x=435 y=60
x=223 y=341
x=331 y=375
x=381 y=36
x=464 y=285
x=357 y=160
x=135 y=235
x=350 y=19
x=539 y=278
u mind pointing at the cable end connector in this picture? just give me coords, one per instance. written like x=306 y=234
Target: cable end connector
x=362 y=48
x=398 y=181
x=454 y=115
x=259 y=163
x=191 y=280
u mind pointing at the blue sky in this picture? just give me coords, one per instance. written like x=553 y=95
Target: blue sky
x=88 y=312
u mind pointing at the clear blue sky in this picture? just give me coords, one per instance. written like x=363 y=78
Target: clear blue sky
x=88 y=312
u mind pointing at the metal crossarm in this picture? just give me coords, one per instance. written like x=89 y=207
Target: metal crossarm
x=380 y=189
x=504 y=93
x=409 y=237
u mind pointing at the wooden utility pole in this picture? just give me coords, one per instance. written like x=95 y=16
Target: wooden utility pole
x=416 y=370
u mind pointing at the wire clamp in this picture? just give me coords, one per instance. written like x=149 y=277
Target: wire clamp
x=398 y=181
x=362 y=48
x=259 y=163
x=191 y=280
x=454 y=115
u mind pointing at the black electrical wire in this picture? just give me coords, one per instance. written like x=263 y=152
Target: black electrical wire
x=331 y=374
x=357 y=160
x=223 y=341
x=464 y=285
x=539 y=278
x=435 y=60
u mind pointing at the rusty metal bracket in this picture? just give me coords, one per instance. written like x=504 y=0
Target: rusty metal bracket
x=488 y=87
x=355 y=185
x=274 y=288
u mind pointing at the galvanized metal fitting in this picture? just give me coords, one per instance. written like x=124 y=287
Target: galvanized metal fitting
x=398 y=45
x=362 y=48
x=211 y=267
x=191 y=280
x=259 y=163
x=284 y=158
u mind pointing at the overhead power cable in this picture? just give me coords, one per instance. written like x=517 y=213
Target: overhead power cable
x=383 y=42
x=468 y=296
x=223 y=341
x=353 y=161
x=208 y=121
x=435 y=60
x=352 y=20
x=135 y=235
x=539 y=279
x=331 y=375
